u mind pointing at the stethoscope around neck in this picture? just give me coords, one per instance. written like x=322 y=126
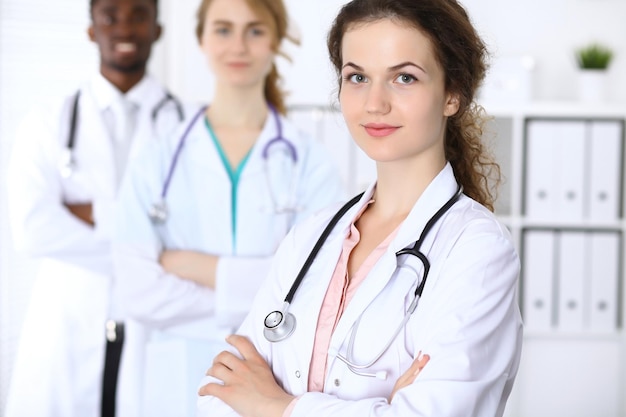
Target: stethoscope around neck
x=280 y=324
x=68 y=162
x=158 y=211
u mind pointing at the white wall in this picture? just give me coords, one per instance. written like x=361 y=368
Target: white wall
x=548 y=30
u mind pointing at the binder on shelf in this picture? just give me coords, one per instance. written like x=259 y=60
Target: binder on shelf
x=538 y=279
x=555 y=169
x=604 y=262
x=540 y=197
x=571 y=274
x=569 y=168
x=605 y=158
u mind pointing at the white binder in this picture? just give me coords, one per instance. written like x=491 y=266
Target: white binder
x=555 y=169
x=540 y=197
x=604 y=262
x=604 y=173
x=570 y=169
x=538 y=279
x=572 y=272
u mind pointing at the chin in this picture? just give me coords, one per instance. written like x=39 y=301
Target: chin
x=129 y=67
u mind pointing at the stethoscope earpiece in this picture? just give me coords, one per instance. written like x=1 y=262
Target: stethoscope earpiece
x=278 y=326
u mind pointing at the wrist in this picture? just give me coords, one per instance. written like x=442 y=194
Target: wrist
x=278 y=406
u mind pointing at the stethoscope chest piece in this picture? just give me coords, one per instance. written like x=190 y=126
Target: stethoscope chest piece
x=278 y=326
x=158 y=212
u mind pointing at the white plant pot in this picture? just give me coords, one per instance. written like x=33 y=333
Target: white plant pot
x=592 y=85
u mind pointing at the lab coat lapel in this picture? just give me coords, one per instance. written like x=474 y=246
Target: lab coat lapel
x=201 y=151
x=375 y=282
x=94 y=140
x=312 y=286
x=254 y=164
x=147 y=98
x=435 y=196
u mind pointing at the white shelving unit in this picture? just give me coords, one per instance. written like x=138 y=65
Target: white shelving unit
x=573 y=364
x=568 y=368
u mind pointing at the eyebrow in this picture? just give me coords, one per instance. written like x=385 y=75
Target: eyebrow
x=391 y=69
x=230 y=23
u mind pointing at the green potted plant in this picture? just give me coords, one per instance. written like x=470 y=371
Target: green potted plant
x=594 y=56
x=593 y=61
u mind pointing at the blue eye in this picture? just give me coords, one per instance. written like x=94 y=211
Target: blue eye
x=222 y=31
x=257 y=32
x=356 y=78
x=406 y=79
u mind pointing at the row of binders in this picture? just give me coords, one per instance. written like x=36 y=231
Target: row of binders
x=573 y=169
x=571 y=280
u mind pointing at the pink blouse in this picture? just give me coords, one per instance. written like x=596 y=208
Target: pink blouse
x=340 y=291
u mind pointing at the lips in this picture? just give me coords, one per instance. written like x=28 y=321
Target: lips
x=379 y=130
x=238 y=65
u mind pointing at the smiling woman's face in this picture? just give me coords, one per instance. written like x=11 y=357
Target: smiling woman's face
x=238 y=43
x=392 y=92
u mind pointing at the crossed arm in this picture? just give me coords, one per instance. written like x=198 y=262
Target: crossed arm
x=250 y=387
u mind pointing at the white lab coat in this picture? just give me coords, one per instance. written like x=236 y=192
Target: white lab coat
x=190 y=321
x=60 y=358
x=467 y=320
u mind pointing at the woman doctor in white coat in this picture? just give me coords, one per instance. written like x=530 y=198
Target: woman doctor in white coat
x=202 y=213
x=336 y=344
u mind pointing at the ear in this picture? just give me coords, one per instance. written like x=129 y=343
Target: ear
x=452 y=105
x=158 y=32
x=90 y=33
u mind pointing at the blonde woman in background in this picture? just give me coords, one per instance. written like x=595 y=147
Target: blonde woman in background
x=203 y=212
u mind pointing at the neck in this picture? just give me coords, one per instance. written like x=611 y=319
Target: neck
x=400 y=185
x=238 y=108
x=121 y=80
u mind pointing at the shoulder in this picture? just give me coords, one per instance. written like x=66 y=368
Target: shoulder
x=293 y=132
x=48 y=118
x=472 y=227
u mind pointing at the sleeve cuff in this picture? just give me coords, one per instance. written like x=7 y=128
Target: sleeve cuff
x=290 y=407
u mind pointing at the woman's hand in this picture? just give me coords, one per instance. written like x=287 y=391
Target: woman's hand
x=190 y=265
x=249 y=384
x=409 y=376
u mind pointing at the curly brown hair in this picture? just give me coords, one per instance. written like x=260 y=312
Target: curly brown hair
x=462 y=55
x=275 y=14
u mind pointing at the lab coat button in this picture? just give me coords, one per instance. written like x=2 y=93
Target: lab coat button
x=297 y=374
x=337 y=382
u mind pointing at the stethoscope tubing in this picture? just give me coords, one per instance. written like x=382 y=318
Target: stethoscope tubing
x=275 y=331
x=159 y=209
x=68 y=163
x=179 y=148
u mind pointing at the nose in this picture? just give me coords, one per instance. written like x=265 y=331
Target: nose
x=125 y=27
x=240 y=43
x=378 y=99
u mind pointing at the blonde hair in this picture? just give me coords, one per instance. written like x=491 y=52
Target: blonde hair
x=275 y=15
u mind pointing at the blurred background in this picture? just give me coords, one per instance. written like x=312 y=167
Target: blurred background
x=573 y=370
